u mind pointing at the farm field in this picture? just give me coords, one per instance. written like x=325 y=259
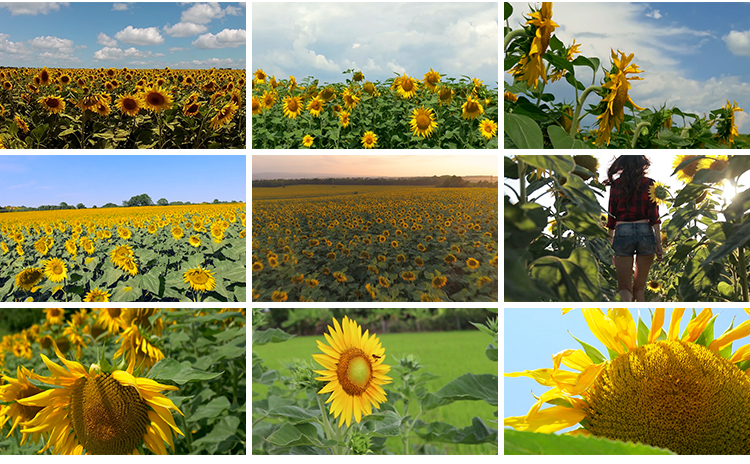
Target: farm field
x=393 y=243
x=152 y=253
x=445 y=354
x=401 y=112
x=43 y=108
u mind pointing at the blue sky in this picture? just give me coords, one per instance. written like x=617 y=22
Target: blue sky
x=325 y=39
x=694 y=55
x=533 y=336
x=127 y=34
x=31 y=180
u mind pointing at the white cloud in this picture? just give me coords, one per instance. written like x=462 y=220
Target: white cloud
x=13 y=48
x=738 y=42
x=211 y=63
x=654 y=14
x=233 y=11
x=120 y=6
x=52 y=43
x=177 y=49
x=185 y=29
x=104 y=39
x=32 y=8
x=224 y=39
x=110 y=53
x=58 y=56
x=140 y=36
x=202 y=13
x=356 y=45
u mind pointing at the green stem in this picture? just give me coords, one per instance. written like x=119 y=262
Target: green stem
x=234 y=383
x=579 y=105
x=522 y=180
x=637 y=132
x=512 y=35
x=743 y=273
x=327 y=424
x=188 y=435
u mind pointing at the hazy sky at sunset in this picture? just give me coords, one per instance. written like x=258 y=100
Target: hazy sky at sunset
x=382 y=165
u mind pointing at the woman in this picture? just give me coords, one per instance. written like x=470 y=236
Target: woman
x=633 y=224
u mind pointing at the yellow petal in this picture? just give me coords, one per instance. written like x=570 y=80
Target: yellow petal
x=603 y=328
x=625 y=326
x=674 y=324
x=696 y=326
x=548 y=420
x=741 y=331
x=577 y=360
x=656 y=324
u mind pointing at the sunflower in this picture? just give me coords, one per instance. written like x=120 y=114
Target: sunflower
x=44 y=77
x=194 y=241
x=177 y=233
x=121 y=254
x=369 y=139
x=445 y=96
x=715 y=162
x=488 y=128
x=257 y=107
x=260 y=76
x=344 y=119
x=155 y=99
x=110 y=319
x=55 y=270
x=22 y=126
x=200 y=279
x=653 y=285
x=618 y=86
x=726 y=129
x=687 y=393
x=350 y=99
x=422 y=121
x=124 y=233
x=658 y=193
x=315 y=107
x=308 y=140
x=97 y=295
x=137 y=349
x=408 y=276
x=16 y=389
x=431 y=80
x=257 y=266
x=688 y=170
x=439 y=281
x=292 y=106
x=383 y=282
x=472 y=263
x=530 y=68
x=449 y=259
x=279 y=296
x=353 y=367
x=28 y=278
x=339 y=276
x=52 y=104
x=471 y=109
x=101 y=413
x=407 y=86
x=223 y=115
x=191 y=108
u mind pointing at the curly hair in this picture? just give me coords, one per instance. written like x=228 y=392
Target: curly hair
x=631 y=168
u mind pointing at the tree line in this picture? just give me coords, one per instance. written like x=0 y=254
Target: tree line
x=137 y=200
x=434 y=181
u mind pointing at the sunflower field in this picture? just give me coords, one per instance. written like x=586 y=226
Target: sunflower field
x=535 y=118
x=395 y=244
x=402 y=112
x=557 y=248
x=356 y=392
x=122 y=381
x=122 y=108
x=151 y=253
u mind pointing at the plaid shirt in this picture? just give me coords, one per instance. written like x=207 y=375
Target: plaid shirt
x=635 y=208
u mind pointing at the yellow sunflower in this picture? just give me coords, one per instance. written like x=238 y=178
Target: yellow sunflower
x=54 y=316
x=97 y=295
x=279 y=296
x=27 y=278
x=422 y=121
x=315 y=107
x=353 y=367
x=55 y=270
x=445 y=96
x=52 y=104
x=155 y=99
x=137 y=349
x=688 y=171
x=308 y=140
x=431 y=80
x=369 y=139
x=292 y=106
x=22 y=126
x=726 y=129
x=110 y=319
x=16 y=389
x=194 y=241
x=121 y=254
x=653 y=285
x=530 y=68
x=224 y=115
x=658 y=193
x=471 y=109
x=687 y=393
x=344 y=119
x=351 y=99
x=200 y=279
x=257 y=107
x=407 y=86
x=101 y=413
x=618 y=86
x=488 y=128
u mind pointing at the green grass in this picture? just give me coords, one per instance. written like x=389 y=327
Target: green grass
x=447 y=354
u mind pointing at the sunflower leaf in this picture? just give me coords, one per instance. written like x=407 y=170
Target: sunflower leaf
x=295 y=435
x=643 y=332
x=531 y=443
x=466 y=387
x=180 y=373
x=595 y=355
x=478 y=432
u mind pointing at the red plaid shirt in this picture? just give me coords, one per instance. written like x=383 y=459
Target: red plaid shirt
x=635 y=208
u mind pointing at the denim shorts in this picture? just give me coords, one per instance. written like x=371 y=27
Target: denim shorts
x=634 y=239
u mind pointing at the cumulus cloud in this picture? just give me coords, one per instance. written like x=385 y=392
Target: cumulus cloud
x=120 y=6
x=228 y=38
x=177 y=49
x=202 y=13
x=654 y=14
x=140 y=36
x=185 y=29
x=9 y=47
x=104 y=39
x=738 y=42
x=211 y=63
x=52 y=43
x=57 y=56
x=114 y=54
x=32 y=8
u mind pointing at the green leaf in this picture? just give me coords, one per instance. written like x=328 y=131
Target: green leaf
x=293 y=414
x=580 y=194
x=179 y=373
x=491 y=352
x=468 y=387
x=595 y=355
x=221 y=437
x=295 y=435
x=262 y=337
x=150 y=281
x=550 y=444
x=230 y=351
x=476 y=433
x=738 y=238
x=643 y=332
x=523 y=131
x=211 y=410
x=561 y=140
x=561 y=164
x=585 y=224
x=572 y=279
x=508 y=10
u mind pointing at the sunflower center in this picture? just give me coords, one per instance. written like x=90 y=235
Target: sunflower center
x=407 y=85
x=675 y=395
x=155 y=99
x=129 y=104
x=107 y=417
x=200 y=278
x=472 y=107
x=354 y=371
x=52 y=103
x=57 y=269
x=423 y=122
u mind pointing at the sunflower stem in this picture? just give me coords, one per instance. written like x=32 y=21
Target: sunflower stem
x=512 y=35
x=522 y=180
x=637 y=132
x=743 y=273
x=327 y=424
x=188 y=435
x=579 y=105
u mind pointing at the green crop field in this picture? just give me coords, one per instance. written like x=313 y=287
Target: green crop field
x=447 y=354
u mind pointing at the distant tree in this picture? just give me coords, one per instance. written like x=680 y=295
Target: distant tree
x=110 y=205
x=64 y=205
x=93 y=207
x=162 y=202
x=80 y=206
x=216 y=200
x=139 y=200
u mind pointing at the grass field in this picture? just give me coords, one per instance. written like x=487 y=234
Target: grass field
x=447 y=354
x=312 y=191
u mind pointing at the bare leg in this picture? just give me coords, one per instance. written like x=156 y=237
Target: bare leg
x=642 y=266
x=624 y=268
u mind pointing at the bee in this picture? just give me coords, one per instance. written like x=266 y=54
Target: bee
x=376 y=356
